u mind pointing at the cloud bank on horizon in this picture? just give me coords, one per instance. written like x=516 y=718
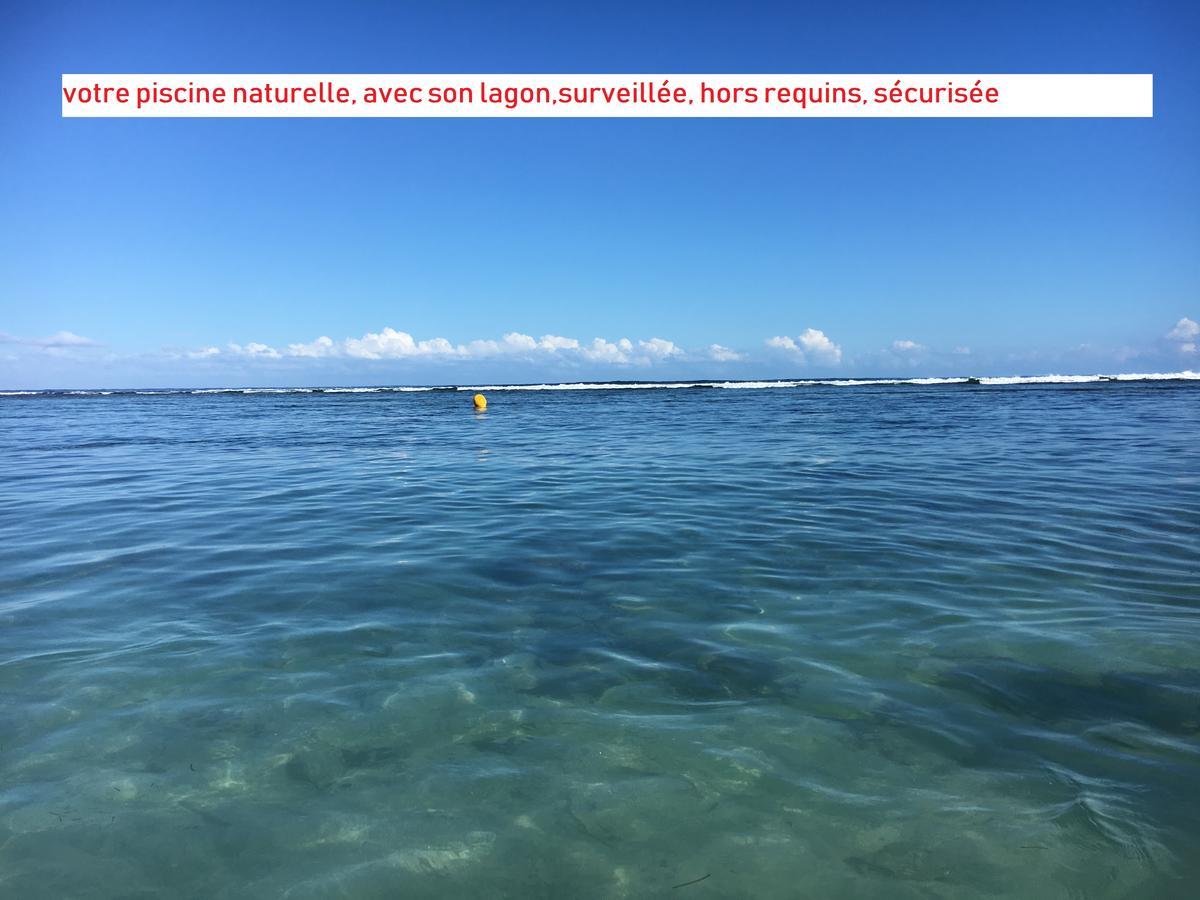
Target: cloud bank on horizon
x=369 y=356
x=392 y=344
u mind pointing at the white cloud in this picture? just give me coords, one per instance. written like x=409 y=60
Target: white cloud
x=478 y=349
x=962 y=351
x=66 y=339
x=59 y=339
x=1184 y=334
x=625 y=351
x=554 y=342
x=906 y=346
x=657 y=348
x=722 y=354
x=811 y=346
x=1185 y=329
x=516 y=343
x=815 y=343
x=392 y=344
x=519 y=342
x=254 y=350
x=600 y=350
x=322 y=346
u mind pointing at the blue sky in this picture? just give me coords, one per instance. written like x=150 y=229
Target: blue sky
x=197 y=252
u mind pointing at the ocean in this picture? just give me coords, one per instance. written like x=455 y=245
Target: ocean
x=926 y=638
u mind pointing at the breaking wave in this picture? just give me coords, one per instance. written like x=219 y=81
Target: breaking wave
x=981 y=381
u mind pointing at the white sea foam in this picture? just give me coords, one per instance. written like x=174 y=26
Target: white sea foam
x=986 y=381
x=590 y=386
x=1186 y=375
x=300 y=390
x=1041 y=379
x=375 y=390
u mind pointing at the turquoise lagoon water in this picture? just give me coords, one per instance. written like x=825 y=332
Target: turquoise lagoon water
x=818 y=641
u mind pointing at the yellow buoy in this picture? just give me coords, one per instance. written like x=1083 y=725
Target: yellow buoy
x=480 y=403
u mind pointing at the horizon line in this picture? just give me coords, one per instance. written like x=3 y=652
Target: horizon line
x=618 y=384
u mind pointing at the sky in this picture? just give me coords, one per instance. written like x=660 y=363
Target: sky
x=191 y=252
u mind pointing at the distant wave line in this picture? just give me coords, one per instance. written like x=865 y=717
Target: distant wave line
x=984 y=381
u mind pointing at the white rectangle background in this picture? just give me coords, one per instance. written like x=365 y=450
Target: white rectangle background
x=1041 y=96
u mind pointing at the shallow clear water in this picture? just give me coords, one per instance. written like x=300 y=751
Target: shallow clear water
x=831 y=642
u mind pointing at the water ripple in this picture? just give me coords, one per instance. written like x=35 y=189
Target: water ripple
x=906 y=640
